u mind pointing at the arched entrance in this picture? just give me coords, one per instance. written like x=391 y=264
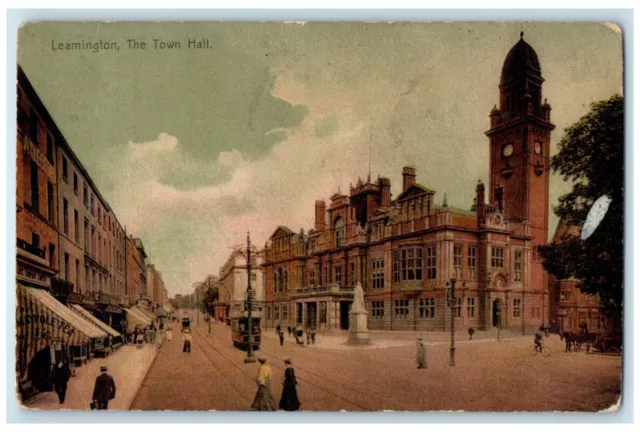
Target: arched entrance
x=496 y=312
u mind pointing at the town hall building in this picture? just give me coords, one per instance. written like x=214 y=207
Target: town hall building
x=407 y=251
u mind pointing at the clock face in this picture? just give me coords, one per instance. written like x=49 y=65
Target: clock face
x=508 y=150
x=537 y=147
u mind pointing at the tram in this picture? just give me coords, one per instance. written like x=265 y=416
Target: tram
x=240 y=332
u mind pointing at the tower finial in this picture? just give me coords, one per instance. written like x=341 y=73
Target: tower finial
x=521 y=34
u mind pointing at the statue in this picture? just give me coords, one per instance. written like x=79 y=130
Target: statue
x=358 y=298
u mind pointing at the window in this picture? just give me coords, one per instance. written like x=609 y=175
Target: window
x=396 y=266
x=377 y=272
x=33 y=127
x=427 y=308
x=77 y=287
x=99 y=215
x=323 y=312
x=471 y=262
x=86 y=196
x=408 y=264
x=497 y=257
x=565 y=296
x=52 y=254
x=50 y=149
x=93 y=207
x=352 y=271
x=65 y=209
x=338 y=228
x=471 y=307
x=93 y=241
x=285 y=312
x=402 y=308
x=65 y=170
x=66 y=266
x=35 y=195
x=76 y=228
x=431 y=262
x=75 y=183
x=457 y=308
x=516 y=308
x=457 y=261
x=277 y=313
x=377 y=310
x=86 y=235
x=50 y=199
x=99 y=247
x=104 y=220
x=517 y=266
x=285 y=281
x=337 y=274
x=312 y=278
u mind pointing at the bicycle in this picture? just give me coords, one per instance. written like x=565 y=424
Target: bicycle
x=546 y=351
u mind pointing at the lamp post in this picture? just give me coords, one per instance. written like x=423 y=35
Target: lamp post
x=453 y=303
x=250 y=357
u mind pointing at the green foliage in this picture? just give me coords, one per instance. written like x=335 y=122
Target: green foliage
x=591 y=156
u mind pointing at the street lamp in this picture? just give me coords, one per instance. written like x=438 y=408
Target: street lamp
x=452 y=302
x=250 y=357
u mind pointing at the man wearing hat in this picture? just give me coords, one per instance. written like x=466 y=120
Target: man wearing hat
x=104 y=390
x=422 y=355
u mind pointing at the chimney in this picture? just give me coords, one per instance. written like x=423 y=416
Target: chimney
x=500 y=197
x=480 y=199
x=408 y=177
x=321 y=208
x=385 y=191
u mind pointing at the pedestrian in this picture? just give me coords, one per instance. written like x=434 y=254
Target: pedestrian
x=60 y=375
x=264 y=400
x=281 y=336
x=289 y=399
x=140 y=338
x=313 y=336
x=289 y=330
x=104 y=389
x=567 y=341
x=169 y=334
x=308 y=337
x=422 y=355
x=546 y=330
x=278 y=329
x=152 y=335
x=186 y=336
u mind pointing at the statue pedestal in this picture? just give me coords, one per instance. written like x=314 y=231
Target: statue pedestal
x=358 y=331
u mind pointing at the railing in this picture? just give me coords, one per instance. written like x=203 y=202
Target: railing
x=34 y=250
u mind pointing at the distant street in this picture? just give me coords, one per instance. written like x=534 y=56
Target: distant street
x=490 y=375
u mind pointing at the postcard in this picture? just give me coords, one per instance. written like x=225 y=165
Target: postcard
x=319 y=216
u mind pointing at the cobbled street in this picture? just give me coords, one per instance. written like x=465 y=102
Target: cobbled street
x=489 y=376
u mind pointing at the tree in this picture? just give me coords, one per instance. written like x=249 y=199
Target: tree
x=591 y=156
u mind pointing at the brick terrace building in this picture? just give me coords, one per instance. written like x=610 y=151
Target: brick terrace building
x=404 y=251
x=36 y=205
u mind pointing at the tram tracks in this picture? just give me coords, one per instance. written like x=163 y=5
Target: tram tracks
x=301 y=377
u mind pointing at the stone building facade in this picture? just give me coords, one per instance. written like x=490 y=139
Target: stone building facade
x=233 y=281
x=406 y=251
x=36 y=189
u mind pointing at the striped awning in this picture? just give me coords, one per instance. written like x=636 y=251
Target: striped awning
x=134 y=318
x=43 y=321
x=145 y=313
x=87 y=315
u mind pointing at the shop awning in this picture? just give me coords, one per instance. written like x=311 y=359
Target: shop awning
x=43 y=321
x=160 y=312
x=134 y=317
x=145 y=313
x=113 y=309
x=87 y=315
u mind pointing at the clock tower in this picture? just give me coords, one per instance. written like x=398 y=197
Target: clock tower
x=519 y=140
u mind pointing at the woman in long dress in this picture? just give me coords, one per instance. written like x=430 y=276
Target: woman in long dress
x=169 y=333
x=264 y=400
x=289 y=400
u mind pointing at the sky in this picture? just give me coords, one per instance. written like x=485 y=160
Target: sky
x=192 y=148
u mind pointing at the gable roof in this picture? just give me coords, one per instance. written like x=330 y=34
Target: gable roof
x=281 y=231
x=415 y=189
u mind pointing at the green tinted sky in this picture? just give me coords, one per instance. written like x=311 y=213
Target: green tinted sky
x=192 y=148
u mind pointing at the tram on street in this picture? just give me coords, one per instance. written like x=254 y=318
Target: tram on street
x=240 y=332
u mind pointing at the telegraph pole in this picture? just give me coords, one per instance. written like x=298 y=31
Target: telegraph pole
x=250 y=358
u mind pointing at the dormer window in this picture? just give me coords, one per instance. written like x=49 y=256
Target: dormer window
x=338 y=228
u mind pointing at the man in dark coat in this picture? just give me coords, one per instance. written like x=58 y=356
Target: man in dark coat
x=281 y=336
x=104 y=390
x=60 y=375
x=289 y=330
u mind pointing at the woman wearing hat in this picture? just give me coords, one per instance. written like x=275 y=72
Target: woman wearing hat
x=264 y=400
x=422 y=355
x=289 y=400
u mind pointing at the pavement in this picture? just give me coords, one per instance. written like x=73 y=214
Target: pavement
x=128 y=366
x=488 y=376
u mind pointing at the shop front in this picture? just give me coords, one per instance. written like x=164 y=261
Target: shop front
x=48 y=331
